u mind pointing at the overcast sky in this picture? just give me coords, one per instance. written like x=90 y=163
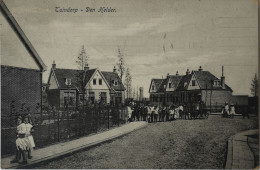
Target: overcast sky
x=207 y=33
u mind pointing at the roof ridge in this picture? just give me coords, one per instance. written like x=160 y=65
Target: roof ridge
x=72 y=69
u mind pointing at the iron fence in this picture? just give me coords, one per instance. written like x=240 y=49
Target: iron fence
x=52 y=126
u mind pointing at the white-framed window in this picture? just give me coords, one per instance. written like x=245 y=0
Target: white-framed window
x=68 y=82
x=170 y=85
x=217 y=83
x=100 y=81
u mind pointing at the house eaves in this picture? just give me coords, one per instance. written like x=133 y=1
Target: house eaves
x=21 y=35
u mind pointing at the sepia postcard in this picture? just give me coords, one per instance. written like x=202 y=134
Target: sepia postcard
x=129 y=84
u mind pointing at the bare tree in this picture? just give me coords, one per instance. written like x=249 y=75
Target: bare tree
x=133 y=93
x=82 y=59
x=254 y=86
x=121 y=64
x=128 y=82
x=137 y=95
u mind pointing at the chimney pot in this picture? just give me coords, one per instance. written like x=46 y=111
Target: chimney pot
x=114 y=69
x=53 y=65
x=200 y=69
x=86 y=68
x=223 y=79
x=187 y=72
x=177 y=73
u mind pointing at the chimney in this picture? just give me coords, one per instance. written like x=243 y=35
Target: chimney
x=168 y=75
x=86 y=68
x=53 y=65
x=187 y=72
x=223 y=79
x=177 y=73
x=114 y=69
x=200 y=69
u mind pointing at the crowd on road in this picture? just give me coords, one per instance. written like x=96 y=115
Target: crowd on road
x=154 y=113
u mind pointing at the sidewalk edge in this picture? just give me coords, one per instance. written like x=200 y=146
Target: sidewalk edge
x=69 y=152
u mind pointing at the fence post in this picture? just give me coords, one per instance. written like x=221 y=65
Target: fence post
x=118 y=112
x=68 y=121
x=108 y=117
x=96 y=118
x=58 y=118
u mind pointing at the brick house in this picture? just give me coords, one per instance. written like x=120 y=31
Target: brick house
x=192 y=87
x=21 y=67
x=67 y=87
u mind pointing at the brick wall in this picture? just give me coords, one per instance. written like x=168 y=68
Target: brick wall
x=20 y=85
x=216 y=97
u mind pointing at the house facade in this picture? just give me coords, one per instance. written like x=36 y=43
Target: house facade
x=190 y=88
x=21 y=69
x=71 y=87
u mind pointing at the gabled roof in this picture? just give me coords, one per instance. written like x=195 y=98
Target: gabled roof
x=205 y=79
x=109 y=76
x=175 y=80
x=162 y=86
x=184 y=82
x=157 y=83
x=21 y=35
x=74 y=75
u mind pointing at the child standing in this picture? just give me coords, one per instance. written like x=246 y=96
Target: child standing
x=22 y=143
x=28 y=124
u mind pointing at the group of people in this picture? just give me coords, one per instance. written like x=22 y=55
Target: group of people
x=154 y=113
x=228 y=110
x=24 y=141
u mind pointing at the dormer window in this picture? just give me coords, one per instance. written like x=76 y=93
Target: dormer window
x=114 y=82
x=94 y=81
x=170 y=85
x=152 y=87
x=216 y=83
x=68 y=82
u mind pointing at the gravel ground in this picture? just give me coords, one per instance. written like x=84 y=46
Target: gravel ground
x=177 y=144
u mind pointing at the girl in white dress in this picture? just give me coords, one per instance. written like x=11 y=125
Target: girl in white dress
x=28 y=124
x=22 y=142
